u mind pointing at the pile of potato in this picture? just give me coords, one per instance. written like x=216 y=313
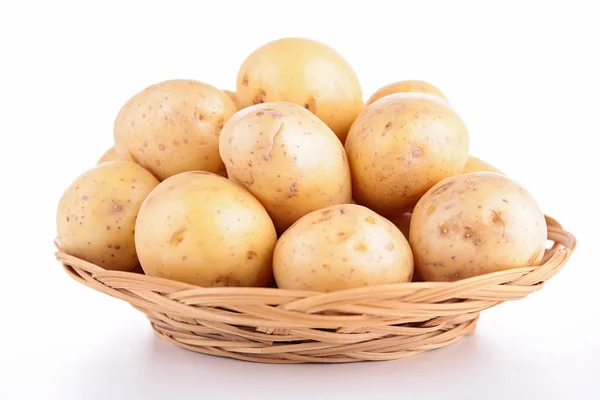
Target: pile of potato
x=293 y=176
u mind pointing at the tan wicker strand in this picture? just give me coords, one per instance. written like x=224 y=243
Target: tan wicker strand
x=284 y=326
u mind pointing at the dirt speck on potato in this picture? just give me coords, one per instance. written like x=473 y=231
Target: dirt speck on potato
x=177 y=237
x=360 y=247
x=226 y=281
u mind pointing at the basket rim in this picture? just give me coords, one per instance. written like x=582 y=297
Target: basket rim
x=564 y=245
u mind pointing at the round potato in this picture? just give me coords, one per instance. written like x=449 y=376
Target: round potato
x=174 y=126
x=473 y=224
x=233 y=97
x=288 y=158
x=401 y=146
x=406 y=86
x=111 y=155
x=96 y=214
x=402 y=222
x=200 y=228
x=306 y=73
x=474 y=164
x=341 y=247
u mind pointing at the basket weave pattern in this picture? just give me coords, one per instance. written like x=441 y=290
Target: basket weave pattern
x=286 y=326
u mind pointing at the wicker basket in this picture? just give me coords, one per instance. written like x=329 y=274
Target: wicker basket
x=284 y=326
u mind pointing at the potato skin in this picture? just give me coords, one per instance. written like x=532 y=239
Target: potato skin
x=109 y=155
x=233 y=97
x=406 y=86
x=402 y=145
x=304 y=72
x=473 y=224
x=288 y=158
x=96 y=214
x=475 y=164
x=402 y=222
x=173 y=126
x=341 y=247
x=202 y=229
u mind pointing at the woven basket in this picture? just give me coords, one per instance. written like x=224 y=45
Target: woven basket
x=286 y=326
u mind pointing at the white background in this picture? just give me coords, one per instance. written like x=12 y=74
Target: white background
x=524 y=76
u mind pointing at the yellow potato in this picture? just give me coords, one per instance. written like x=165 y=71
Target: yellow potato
x=200 y=228
x=401 y=146
x=233 y=97
x=109 y=155
x=402 y=222
x=306 y=73
x=288 y=158
x=174 y=126
x=96 y=214
x=406 y=86
x=341 y=247
x=474 y=164
x=473 y=224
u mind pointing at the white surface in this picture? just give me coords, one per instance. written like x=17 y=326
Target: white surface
x=523 y=76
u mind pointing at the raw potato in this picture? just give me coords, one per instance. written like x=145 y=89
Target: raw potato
x=174 y=126
x=406 y=86
x=473 y=224
x=341 y=247
x=474 y=164
x=304 y=72
x=233 y=97
x=401 y=146
x=288 y=158
x=96 y=214
x=200 y=228
x=111 y=155
x=402 y=222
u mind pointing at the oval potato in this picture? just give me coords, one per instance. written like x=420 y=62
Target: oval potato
x=475 y=164
x=173 y=126
x=111 y=155
x=473 y=224
x=406 y=86
x=202 y=229
x=96 y=214
x=304 y=72
x=288 y=158
x=402 y=222
x=341 y=247
x=233 y=97
x=401 y=146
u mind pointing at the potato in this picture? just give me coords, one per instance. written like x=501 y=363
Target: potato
x=96 y=214
x=402 y=222
x=200 y=228
x=401 y=146
x=341 y=247
x=288 y=158
x=233 y=97
x=111 y=155
x=174 y=126
x=473 y=224
x=406 y=86
x=474 y=164
x=306 y=73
